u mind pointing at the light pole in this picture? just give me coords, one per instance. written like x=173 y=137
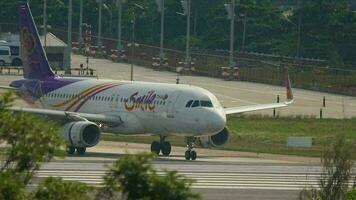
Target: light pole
x=69 y=46
x=110 y=13
x=186 y=7
x=230 y=9
x=244 y=32
x=100 y=2
x=45 y=22
x=160 y=4
x=133 y=21
x=80 y=38
x=299 y=29
x=119 y=44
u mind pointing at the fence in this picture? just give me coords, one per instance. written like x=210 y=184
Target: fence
x=312 y=74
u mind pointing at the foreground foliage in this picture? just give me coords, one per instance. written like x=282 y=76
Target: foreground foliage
x=57 y=189
x=134 y=177
x=337 y=165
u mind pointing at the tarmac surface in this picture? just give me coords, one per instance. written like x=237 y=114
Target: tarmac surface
x=217 y=174
x=229 y=93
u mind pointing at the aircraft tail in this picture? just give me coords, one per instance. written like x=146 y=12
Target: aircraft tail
x=34 y=59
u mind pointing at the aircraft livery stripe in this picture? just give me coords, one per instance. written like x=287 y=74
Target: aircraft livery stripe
x=75 y=99
x=83 y=95
x=95 y=93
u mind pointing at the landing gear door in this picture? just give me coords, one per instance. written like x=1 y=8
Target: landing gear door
x=172 y=100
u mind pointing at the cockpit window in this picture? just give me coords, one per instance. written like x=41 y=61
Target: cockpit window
x=189 y=103
x=196 y=104
x=206 y=104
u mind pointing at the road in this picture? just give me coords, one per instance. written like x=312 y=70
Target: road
x=226 y=177
x=230 y=93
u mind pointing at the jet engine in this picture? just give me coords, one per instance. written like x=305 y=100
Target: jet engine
x=216 y=140
x=82 y=133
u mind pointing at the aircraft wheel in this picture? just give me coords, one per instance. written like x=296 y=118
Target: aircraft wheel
x=187 y=155
x=70 y=150
x=81 y=150
x=155 y=147
x=166 y=148
x=193 y=155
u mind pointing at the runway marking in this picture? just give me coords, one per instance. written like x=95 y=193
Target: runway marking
x=207 y=180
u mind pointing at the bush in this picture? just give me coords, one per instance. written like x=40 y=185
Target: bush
x=133 y=177
x=57 y=189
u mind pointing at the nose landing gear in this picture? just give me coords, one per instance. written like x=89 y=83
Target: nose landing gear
x=161 y=146
x=190 y=154
x=80 y=150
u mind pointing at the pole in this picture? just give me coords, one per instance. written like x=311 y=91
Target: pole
x=133 y=45
x=187 y=56
x=119 y=44
x=80 y=39
x=299 y=33
x=244 y=33
x=45 y=22
x=232 y=27
x=99 y=31
x=299 y=29
x=69 y=50
x=110 y=24
x=161 y=54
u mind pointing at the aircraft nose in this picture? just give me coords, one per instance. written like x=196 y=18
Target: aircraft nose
x=217 y=121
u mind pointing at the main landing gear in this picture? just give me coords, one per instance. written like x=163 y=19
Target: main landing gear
x=161 y=146
x=190 y=154
x=80 y=150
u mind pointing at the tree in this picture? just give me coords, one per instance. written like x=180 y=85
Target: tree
x=11 y=188
x=337 y=164
x=134 y=177
x=29 y=141
x=57 y=189
x=328 y=30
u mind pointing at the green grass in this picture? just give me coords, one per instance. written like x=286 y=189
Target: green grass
x=269 y=135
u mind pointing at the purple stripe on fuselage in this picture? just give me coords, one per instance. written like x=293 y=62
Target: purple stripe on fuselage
x=38 y=88
x=95 y=93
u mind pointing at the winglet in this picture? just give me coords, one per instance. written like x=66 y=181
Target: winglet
x=290 y=97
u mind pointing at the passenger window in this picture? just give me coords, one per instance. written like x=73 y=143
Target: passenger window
x=189 y=104
x=196 y=104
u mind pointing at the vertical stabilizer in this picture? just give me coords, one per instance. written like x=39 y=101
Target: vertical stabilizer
x=35 y=63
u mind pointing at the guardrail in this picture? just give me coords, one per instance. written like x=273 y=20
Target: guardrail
x=74 y=72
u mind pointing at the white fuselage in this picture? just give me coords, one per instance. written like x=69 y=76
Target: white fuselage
x=144 y=108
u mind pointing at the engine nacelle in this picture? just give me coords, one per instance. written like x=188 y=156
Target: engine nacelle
x=216 y=140
x=81 y=133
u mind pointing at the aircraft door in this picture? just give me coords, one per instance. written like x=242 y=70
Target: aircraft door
x=172 y=100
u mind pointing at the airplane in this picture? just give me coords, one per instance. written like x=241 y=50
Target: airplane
x=89 y=107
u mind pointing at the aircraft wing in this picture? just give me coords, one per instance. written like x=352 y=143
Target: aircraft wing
x=243 y=109
x=7 y=88
x=250 y=108
x=99 y=118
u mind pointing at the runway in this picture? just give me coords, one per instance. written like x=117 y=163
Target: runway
x=211 y=175
x=227 y=177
